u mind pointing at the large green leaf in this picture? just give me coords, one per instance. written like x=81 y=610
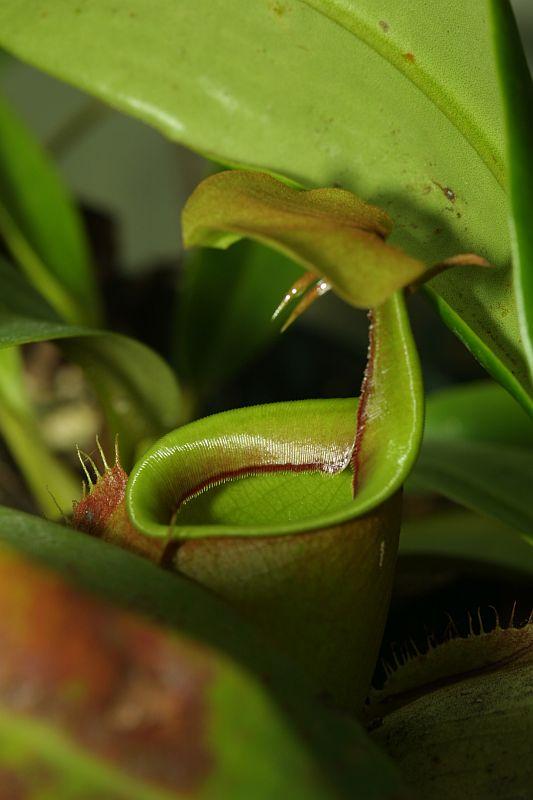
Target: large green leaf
x=41 y=226
x=477 y=451
x=136 y=387
x=517 y=95
x=260 y=744
x=392 y=102
x=225 y=312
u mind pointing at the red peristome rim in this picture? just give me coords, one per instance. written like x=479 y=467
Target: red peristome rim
x=248 y=471
x=362 y=409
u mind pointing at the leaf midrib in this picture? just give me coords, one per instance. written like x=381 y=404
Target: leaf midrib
x=434 y=91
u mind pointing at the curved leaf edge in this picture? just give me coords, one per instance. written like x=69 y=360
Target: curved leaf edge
x=481 y=352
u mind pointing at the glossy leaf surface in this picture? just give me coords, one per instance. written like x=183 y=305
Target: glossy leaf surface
x=328 y=231
x=304 y=448
x=517 y=95
x=231 y=701
x=135 y=385
x=381 y=100
x=41 y=226
x=325 y=560
x=295 y=454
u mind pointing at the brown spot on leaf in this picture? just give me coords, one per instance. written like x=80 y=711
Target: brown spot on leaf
x=384 y=25
x=409 y=57
x=13 y=785
x=279 y=9
x=448 y=193
x=32 y=777
x=117 y=686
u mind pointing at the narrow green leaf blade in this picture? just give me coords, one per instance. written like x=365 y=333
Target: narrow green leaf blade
x=477 y=451
x=139 y=392
x=491 y=479
x=517 y=94
x=41 y=226
x=471 y=539
x=53 y=485
x=137 y=388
